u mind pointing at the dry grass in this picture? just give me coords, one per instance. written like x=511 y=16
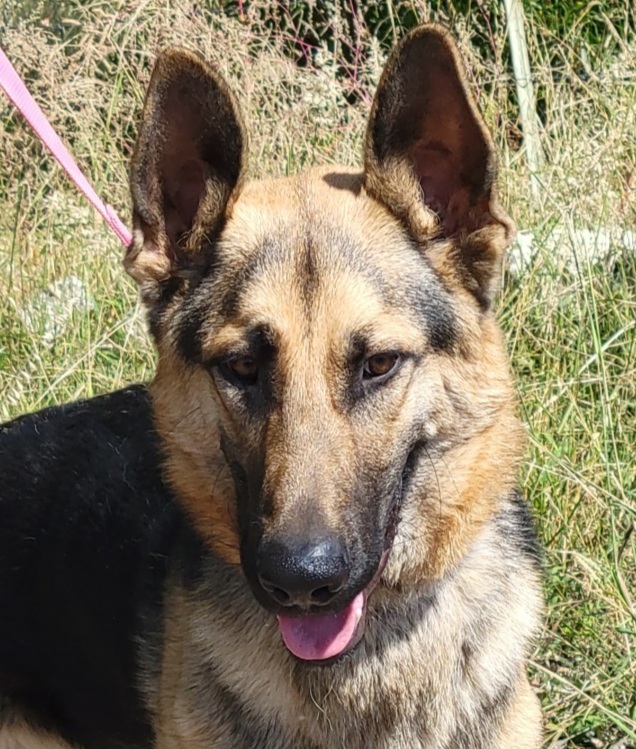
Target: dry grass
x=570 y=320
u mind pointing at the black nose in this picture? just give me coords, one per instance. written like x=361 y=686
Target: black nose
x=301 y=573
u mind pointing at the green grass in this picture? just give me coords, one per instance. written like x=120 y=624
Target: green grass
x=574 y=349
x=570 y=322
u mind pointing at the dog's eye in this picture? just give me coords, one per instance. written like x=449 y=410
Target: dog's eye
x=380 y=366
x=244 y=369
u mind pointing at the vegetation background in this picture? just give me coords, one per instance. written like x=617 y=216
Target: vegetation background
x=305 y=72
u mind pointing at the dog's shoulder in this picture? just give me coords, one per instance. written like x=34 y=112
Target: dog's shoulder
x=53 y=431
x=86 y=450
x=86 y=524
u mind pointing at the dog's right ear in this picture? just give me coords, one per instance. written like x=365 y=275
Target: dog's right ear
x=186 y=171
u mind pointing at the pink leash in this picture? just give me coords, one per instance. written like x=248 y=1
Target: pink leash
x=15 y=89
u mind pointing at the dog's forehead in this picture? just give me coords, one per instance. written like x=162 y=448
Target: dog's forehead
x=319 y=228
x=316 y=251
x=319 y=210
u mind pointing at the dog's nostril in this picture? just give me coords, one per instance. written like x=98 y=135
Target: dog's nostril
x=323 y=595
x=280 y=596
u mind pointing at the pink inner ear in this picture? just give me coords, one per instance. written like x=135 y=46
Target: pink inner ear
x=441 y=180
x=437 y=174
x=184 y=190
x=441 y=171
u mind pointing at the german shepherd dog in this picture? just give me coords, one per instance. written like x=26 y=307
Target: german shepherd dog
x=306 y=532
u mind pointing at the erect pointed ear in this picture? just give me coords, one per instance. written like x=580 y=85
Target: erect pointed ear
x=186 y=170
x=430 y=159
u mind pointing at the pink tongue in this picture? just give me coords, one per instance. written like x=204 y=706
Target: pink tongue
x=317 y=637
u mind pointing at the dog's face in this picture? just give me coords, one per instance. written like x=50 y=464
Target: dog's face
x=332 y=390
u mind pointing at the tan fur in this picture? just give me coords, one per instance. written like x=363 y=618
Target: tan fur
x=523 y=728
x=477 y=477
x=21 y=736
x=193 y=464
x=319 y=715
x=405 y=256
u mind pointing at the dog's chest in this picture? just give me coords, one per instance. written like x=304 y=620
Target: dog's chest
x=233 y=685
x=435 y=671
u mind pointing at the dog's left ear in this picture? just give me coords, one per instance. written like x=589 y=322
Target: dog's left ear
x=186 y=171
x=430 y=159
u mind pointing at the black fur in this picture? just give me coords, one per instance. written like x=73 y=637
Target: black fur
x=85 y=526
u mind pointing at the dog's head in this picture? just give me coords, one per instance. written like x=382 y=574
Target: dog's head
x=332 y=391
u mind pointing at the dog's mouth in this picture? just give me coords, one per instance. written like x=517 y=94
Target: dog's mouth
x=325 y=638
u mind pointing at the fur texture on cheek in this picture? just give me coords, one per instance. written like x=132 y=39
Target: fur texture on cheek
x=187 y=416
x=465 y=426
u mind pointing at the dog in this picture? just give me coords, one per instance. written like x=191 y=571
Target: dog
x=306 y=532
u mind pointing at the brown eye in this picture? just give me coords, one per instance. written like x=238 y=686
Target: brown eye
x=380 y=365
x=244 y=368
